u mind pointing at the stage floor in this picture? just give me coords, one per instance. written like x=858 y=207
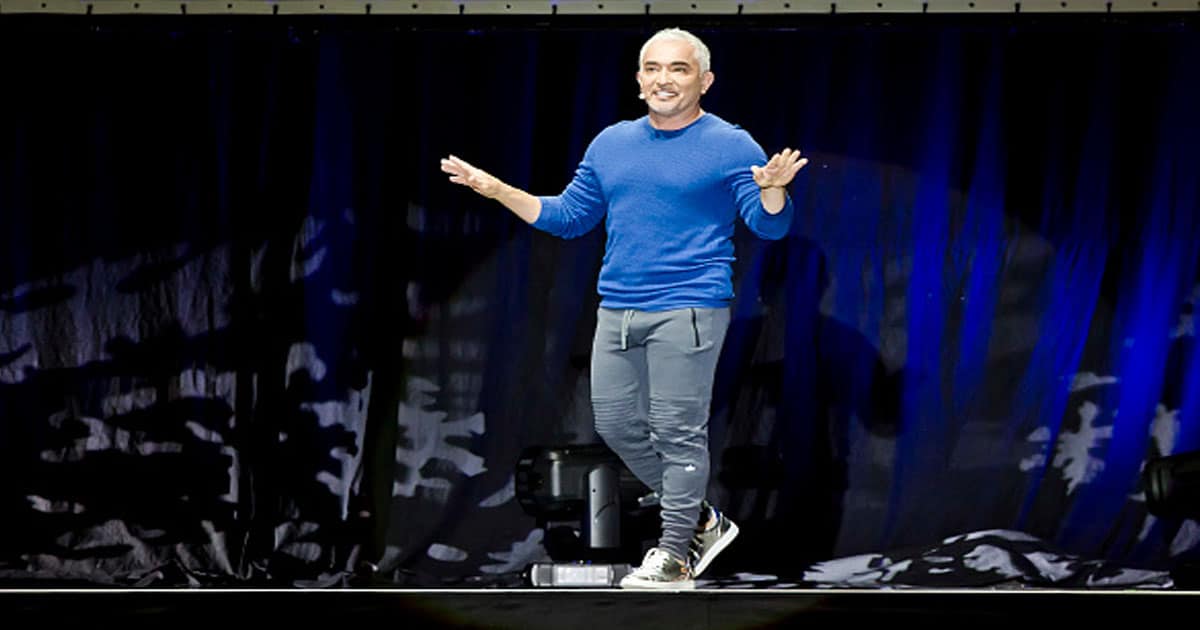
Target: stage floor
x=571 y=609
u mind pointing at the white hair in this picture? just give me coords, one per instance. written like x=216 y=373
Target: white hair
x=700 y=51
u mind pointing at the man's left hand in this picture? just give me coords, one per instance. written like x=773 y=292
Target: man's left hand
x=779 y=170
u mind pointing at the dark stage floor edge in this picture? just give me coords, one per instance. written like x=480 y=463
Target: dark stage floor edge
x=571 y=609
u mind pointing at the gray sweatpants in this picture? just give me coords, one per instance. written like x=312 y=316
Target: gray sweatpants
x=652 y=378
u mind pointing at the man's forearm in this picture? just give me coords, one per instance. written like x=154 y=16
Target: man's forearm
x=522 y=204
x=773 y=199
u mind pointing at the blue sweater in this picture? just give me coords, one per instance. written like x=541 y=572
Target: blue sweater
x=670 y=200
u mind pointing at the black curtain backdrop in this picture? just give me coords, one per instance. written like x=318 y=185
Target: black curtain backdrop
x=250 y=334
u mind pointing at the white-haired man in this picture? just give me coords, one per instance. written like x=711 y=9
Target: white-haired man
x=670 y=187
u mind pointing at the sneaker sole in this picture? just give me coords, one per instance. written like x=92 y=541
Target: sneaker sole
x=635 y=584
x=717 y=548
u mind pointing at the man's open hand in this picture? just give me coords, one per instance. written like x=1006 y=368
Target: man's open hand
x=779 y=170
x=476 y=179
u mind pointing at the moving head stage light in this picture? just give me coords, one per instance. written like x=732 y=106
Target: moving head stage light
x=1173 y=485
x=595 y=512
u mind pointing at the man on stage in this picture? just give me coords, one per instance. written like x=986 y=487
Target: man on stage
x=670 y=187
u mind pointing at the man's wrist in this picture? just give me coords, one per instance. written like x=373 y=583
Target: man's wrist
x=502 y=190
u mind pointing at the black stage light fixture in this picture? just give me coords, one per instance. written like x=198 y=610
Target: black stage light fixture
x=594 y=511
x=1173 y=485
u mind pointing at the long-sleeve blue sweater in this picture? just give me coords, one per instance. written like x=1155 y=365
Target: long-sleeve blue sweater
x=670 y=200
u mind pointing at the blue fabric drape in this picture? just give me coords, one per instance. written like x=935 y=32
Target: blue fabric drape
x=249 y=332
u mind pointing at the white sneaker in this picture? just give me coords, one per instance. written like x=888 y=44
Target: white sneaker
x=706 y=544
x=660 y=570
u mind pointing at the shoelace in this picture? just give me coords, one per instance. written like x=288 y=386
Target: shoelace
x=659 y=560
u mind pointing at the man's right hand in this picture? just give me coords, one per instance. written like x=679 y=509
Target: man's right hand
x=521 y=203
x=476 y=179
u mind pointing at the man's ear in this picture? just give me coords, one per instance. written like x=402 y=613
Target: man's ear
x=706 y=81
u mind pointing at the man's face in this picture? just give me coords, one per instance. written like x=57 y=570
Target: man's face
x=671 y=80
